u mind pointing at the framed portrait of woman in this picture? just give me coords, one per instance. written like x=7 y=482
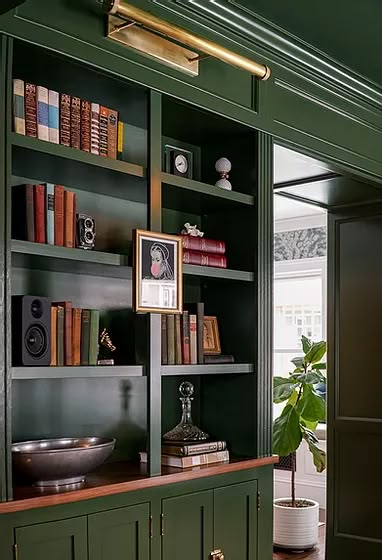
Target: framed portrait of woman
x=158 y=265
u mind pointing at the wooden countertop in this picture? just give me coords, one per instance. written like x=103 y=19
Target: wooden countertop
x=117 y=478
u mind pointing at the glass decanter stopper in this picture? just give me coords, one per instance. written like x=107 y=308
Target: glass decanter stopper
x=186 y=429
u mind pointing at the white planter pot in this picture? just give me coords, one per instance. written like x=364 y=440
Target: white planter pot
x=295 y=528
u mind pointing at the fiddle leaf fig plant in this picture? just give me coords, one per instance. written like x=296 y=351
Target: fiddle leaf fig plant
x=305 y=405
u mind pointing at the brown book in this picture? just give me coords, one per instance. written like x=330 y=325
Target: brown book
x=85 y=125
x=112 y=134
x=85 y=336
x=164 y=339
x=75 y=220
x=39 y=214
x=69 y=217
x=75 y=123
x=186 y=337
x=30 y=110
x=178 y=341
x=65 y=102
x=171 y=340
x=77 y=336
x=103 y=130
x=68 y=329
x=59 y=206
x=53 y=335
x=193 y=340
x=60 y=341
x=204 y=259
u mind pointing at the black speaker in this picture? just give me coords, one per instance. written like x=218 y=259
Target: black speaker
x=30 y=331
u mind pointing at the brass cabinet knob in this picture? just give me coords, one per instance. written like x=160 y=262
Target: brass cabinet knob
x=216 y=555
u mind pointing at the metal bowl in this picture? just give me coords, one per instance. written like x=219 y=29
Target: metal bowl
x=55 y=462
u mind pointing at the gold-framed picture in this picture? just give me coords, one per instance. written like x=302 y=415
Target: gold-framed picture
x=157 y=270
x=211 y=339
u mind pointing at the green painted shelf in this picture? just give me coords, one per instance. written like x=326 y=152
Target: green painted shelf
x=207 y=369
x=221 y=273
x=80 y=156
x=179 y=193
x=76 y=372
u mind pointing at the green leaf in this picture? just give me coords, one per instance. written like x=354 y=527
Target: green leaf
x=286 y=432
x=282 y=389
x=306 y=344
x=310 y=425
x=311 y=406
x=314 y=377
x=319 y=366
x=319 y=455
x=298 y=362
x=316 y=352
x=293 y=398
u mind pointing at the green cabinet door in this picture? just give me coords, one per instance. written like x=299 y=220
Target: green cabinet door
x=59 y=540
x=235 y=521
x=120 y=534
x=187 y=526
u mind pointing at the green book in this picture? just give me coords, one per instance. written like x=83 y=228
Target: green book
x=93 y=337
x=85 y=335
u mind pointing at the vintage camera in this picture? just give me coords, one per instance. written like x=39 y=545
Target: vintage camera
x=86 y=231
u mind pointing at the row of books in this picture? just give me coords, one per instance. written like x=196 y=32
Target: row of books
x=44 y=214
x=182 y=336
x=204 y=252
x=65 y=119
x=184 y=455
x=74 y=335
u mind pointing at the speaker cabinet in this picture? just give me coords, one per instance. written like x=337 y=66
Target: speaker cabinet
x=30 y=331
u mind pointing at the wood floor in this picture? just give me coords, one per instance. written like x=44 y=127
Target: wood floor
x=317 y=554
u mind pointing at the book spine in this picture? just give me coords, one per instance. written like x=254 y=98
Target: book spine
x=53 y=335
x=74 y=222
x=194 y=449
x=112 y=134
x=60 y=335
x=171 y=339
x=193 y=340
x=30 y=110
x=76 y=337
x=103 y=130
x=30 y=212
x=94 y=136
x=68 y=333
x=200 y=331
x=93 y=337
x=69 y=217
x=195 y=460
x=59 y=205
x=186 y=337
x=65 y=102
x=39 y=213
x=49 y=205
x=178 y=340
x=204 y=259
x=85 y=334
x=192 y=243
x=120 y=140
x=75 y=123
x=85 y=125
x=54 y=117
x=19 y=106
x=42 y=96
x=164 y=339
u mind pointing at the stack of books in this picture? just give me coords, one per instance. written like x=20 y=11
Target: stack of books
x=66 y=119
x=74 y=335
x=44 y=214
x=186 y=454
x=202 y=251
x=182 y=336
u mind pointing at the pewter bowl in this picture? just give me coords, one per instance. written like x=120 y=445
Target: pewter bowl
x=56 y=462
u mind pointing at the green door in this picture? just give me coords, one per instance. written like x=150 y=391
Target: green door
x=59 y=540
x=120 y=534
x=235 y=521
x=187 y=526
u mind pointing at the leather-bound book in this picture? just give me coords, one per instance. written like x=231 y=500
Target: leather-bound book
x=65 y=102
x=85 y=125
x=85 y=334
x=49 y=207
x=203 y=244
x=39 y=213
x=30 y=110
x=76 y=336
x=75 y=123
x=19 y=106
x=103 y=130
x=69 y=199
x=94 y=130
x=112 y=134
x=68 y=329
x=59 y=207
x=193 y=339
x=204 y=259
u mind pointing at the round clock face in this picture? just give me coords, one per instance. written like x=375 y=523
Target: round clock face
x=181 y=163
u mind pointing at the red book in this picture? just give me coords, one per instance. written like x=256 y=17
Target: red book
x=192 y=243
x=65 y=101
x=39 y=214
x=112 y=134
x=69 y=217
x=30 y=110
x=85 y=125
x=186 y=337
x=103 y=130
x=204 y=259
x=59 y=215
x=75 y=123
x=68 y=328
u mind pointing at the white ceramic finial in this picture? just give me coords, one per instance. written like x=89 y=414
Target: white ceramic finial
x=223 y=167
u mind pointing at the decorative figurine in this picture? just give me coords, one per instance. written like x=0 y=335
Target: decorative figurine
x=223 y=167
x=188 y=229
x=186 y=429
x=106 y=347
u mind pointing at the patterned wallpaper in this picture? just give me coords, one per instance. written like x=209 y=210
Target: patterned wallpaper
x=300 y=244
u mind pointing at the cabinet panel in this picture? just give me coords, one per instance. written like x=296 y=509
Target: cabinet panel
x=187 y=526
x=61 y=540
x=120 y=534
x=235 y=521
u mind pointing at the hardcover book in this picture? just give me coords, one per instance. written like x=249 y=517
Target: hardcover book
x=178 y=340
x=120 y=140
x=49 y=205
x=93 y=337
x=198 y=310
x=30 y=110
x=39 y=213
x=112 y=134
x=53 y=335
x=193 y=340
x=59 y=224
x=54 y=117
x=185 y=449
x=94 y=136
x=191 y=461
x=103 y=130
x=65 y=102
x=69 y=218
x=75 y=123
x=186 y=337
x=19 y=106
x=76 y=344
x=68 y=326
x=85 y=125
x=170 y=339
x=23 y=212
x=85 y=335
x=202 y=244
x=204 y=259
x=60 y=336
x=42 y=95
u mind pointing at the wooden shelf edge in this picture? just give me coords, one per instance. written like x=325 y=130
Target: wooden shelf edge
x=74 y=372
x=76 y=155
x=207 y=369
x=139 y=484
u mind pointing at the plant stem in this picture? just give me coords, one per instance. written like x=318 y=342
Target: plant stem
x=293 y=479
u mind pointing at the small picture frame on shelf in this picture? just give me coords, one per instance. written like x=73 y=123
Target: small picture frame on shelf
x=211 y=339
x=178 y=161
x=158 y=270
